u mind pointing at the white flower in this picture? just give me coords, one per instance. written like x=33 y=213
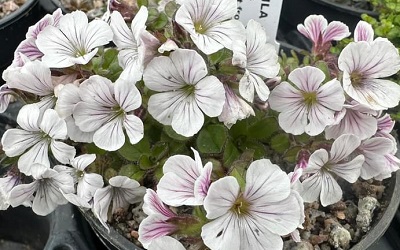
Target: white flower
x=32 y=141
x=363 y=32
x=121 y=192
x=258 y=58
x=355 y=119
x=374 y=151
x=34 y=77
x=74 y=41
x=235 y=108
x=6 y=185
x=323 y=165
x=209 y=23
x=106 y=109
x=87 y=183
x=6 y=96
x=48 y=185
x=162 y=242
x=307 y=106
x=256 y=217
x=157 y=224
x=185 y=181
x=136 y=45
x=317 y=29
x=186 y=91
x=362 y=72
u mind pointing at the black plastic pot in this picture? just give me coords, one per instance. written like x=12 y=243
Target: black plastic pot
x=14 y=27
x=295 y=11
x=115 y=241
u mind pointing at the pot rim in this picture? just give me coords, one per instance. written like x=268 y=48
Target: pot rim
x=374 y=234
x=345 y=8
x=18 y=14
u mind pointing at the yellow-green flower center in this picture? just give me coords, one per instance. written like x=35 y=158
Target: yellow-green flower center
x=241 y=206
x=356 y=79
x=310 y=98
x=200 y=28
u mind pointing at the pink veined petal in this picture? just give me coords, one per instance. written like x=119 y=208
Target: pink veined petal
x=363 y=32
x=263 y=60
x=377 y=94
x=224 y=33
x=258 y=84
x=383 y=59
x=221 y=196
x=307 y=79
x=16 y=141
x=210 y=96
x=176 y=191
x=331 y=95
x=68 y=97
x=27 y=50
x=330 y=190
x=343 y=146
x=153 y=227
x=377 y=145
x=28 y=118
x=53 y=125
x=350 y=171
x=88 y=185
x=294 y=121
x=313 y=27
x=265 y=183
x=127 y=95
x=317 y=160
x=22 y=193
x=160 y=243
x=281 y=217
x=123 y=36
x=190 y=65
x=312 y=187
x=319 y=117
x=202 y=183
x=134 y=128
x=98 y=90
x=77 y=200
x=101 y=203
x=218 y=233
x=36 y=154
x=62 y=151
x=161 y=75
x=335 y=31
x=110 y=136
x=97 y=33
x=34 y=78
x=284 y=96
x=91 y=117
x=372 y=166
x=188 y=118
x=75 y=134
x=82 y=161
x=152 y=204
x=385 y=123
x=48 y=195
x=353 y=122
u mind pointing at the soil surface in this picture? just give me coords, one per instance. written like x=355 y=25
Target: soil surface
x=9 y=6
x=338 y=226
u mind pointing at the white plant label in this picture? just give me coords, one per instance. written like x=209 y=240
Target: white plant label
x=266 y=12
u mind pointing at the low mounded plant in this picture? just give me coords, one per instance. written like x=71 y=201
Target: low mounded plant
x=189 y=114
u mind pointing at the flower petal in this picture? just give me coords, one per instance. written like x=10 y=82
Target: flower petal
x=188 y=118
x=16 y=141
x=152 y=204
x=101 y=202
x=22 y=193
x=307 y=79
x=110 y=136
x=221 y=196
x=127 y=95
x=153 y=227
x=134 y=128
x=313 y=27
x=350 y=171
x=335 y=31
x=88 y=185
x=37 y=154
x=363 y=32
x=330 y=190
x=160 y=243
x=62 y=151
x=210 y=96
x=82 y=161
x=53 y=125
x=343 y=146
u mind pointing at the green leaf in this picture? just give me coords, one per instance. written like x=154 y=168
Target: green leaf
x=93 y=149
x=134 y=152
x=280 y=142
x=264 y=128
x=239 y=174
x=173 y=135
x=170 y=8
x=141 y=3
x=129 y=170
x=160 y=22
x=211 y=139
x=220 y=56
x=257 y=147
x=107 y=64
x=145 y=163
x=231 y=153
x=291 y=154
x=159 y=150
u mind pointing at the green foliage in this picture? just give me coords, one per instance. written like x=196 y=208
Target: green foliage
x=211 y=139
x=106 y=64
